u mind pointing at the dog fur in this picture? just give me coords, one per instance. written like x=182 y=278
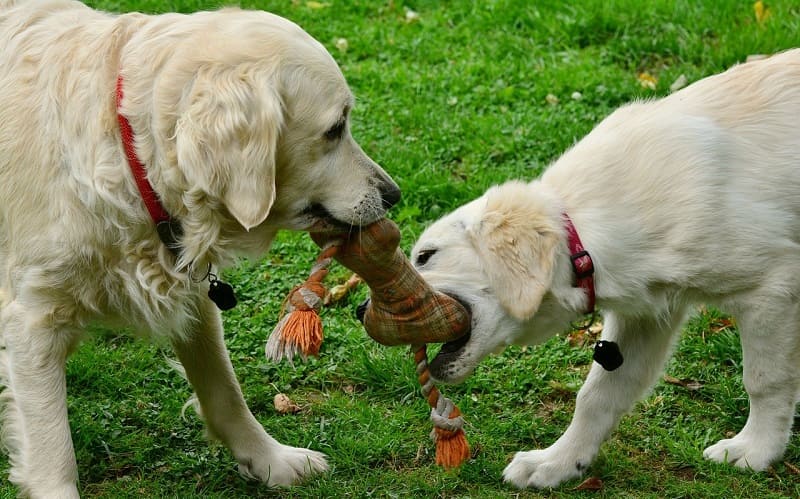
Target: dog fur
x=241 y=119
x=693 y=198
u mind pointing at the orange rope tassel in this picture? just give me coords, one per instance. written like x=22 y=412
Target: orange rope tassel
x=452 y=448
x=304 y=329
x=300 y=331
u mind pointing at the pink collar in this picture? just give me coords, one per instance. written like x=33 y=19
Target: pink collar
x=169 y=230
x=582 y=264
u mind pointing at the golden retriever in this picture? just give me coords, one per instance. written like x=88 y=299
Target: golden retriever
x=691 y=198
x=240 y=119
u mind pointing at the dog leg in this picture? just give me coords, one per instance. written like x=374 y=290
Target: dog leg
x=35 y=426
x=604 y=398
x=771 y=351
x=210 y=372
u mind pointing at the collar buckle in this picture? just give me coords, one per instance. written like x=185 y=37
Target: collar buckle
x=582 y=265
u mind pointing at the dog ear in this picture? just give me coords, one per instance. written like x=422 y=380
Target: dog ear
x=516 y=239
x=226 y=140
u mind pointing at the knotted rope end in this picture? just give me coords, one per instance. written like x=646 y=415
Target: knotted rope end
x=452 y=448
x=300 y=330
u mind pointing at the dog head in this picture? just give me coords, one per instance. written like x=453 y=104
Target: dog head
x=502 y=255
x=249 y=119
x=266 y=131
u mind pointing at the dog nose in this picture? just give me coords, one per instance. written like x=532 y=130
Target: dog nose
x=390 y=195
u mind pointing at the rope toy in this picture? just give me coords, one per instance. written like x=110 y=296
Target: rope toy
x=300 y=329
x=403 y=310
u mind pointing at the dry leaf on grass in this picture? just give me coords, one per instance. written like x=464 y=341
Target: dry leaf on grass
x=647 y=80
x=411 y=16
x=722 y=324
x=581 y=336
x=284 y=405
x=591 y=483
x=690 y=384
x=761 y=11
x=339 y=291
x=679 y=83
x=317 y=5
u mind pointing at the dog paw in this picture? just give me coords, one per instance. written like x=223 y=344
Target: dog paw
x=542 y=469
x=742 y=452
x=284 y=465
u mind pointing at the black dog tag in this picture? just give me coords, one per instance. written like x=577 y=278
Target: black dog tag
x=607 y=354
x=221 y=293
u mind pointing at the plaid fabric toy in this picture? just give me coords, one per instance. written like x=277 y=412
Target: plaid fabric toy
x=403 y=310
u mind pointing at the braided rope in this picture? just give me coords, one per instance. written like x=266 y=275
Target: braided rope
x=300 y=329
x=452 y=448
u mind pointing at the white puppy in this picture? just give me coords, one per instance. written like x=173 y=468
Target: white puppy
x=240 y=121
x=691 y=198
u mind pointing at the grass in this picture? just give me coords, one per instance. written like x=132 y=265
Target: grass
x=449 y=103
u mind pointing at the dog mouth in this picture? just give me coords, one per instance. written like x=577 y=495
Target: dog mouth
x=451 y=351
x=448 y=354
x=441 y=367
x=448 y=349
x=323 y=220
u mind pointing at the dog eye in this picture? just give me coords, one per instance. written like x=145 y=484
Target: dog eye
x=424 y=256
x=335 y=132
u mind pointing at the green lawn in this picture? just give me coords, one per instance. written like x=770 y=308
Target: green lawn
x=449 y=102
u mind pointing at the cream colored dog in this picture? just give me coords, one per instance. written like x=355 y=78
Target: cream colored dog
x=691 y=198
x=241 y=121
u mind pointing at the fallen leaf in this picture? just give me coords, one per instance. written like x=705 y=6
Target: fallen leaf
x=341 y=44
x=317 y=5
x=582 y=334
x=679 y=83
x=591 y=483
x=722 y=325
x=411 y=16
x=647 y=80
x=551 y=99
x=690 y=384
x=761 y=11
x=339 y=291
x=284 y=405
x=577 y=337
x=792 y=467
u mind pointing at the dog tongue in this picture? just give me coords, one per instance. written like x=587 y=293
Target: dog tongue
x=403 y=308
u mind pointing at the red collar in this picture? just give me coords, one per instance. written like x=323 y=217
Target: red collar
x=169 y=230
x=149 y=196
x=582 y=264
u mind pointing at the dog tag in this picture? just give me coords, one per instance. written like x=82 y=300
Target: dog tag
x=221 y=293
x=607 y=354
